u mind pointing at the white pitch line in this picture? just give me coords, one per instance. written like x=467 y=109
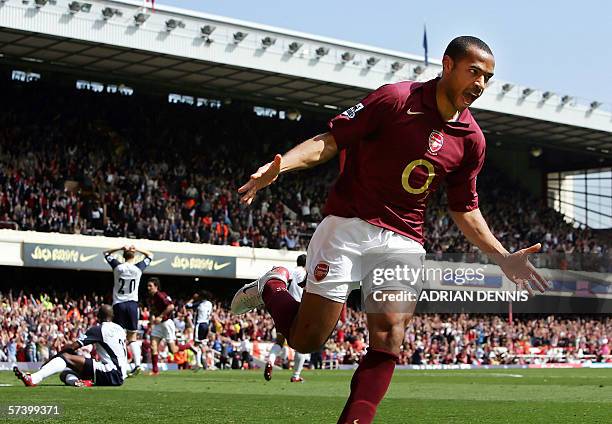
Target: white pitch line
x=464 y=374
x=507 y=375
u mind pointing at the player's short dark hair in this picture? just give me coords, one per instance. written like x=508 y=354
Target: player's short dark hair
x=459 y=47
x=205 y=294
x=155 y=281
x=301 y=260
x=105 y=313
x=128 y=254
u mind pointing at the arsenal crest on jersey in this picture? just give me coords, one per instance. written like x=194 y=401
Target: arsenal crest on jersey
x=436 y=141
x=321 y=270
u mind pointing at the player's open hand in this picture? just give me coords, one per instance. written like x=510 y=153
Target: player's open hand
x=262 y=178
x=522 y=273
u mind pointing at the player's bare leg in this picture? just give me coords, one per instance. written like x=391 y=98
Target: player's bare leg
x=313 y=323
x=371 y=379
x=55 y=365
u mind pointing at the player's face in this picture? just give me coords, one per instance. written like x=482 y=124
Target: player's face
x=468 y=77
x=151 y=288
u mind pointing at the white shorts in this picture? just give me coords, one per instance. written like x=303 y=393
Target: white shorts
x=166 y=330
x=344 y=251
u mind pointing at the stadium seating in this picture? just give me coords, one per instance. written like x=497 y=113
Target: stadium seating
x=144 y=168
x=35 y=327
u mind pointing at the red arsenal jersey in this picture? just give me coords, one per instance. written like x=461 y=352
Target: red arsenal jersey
x=158 y=303
x=396 y=150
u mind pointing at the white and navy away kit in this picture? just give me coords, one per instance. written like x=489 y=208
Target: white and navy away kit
x=109 y=340
x=201 y=324
x=125 y=291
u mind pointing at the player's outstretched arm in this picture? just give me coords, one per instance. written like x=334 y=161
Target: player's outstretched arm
x=516 y=266
x=308 y=154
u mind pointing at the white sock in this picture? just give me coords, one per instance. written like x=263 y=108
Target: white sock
x=298 y=364
x=199 y=357
x=54 y=366
x=71 y=379
x=274 y=351
x=136 y=354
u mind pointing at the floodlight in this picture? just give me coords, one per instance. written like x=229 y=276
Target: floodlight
x=267 y=42
x=140 y=18
x=206 y=30
x=239 y=36
x=594 y=105
x=527 y=92
x=109 y=12
x=172 y=24
x=372 y=61
x=536 y=152
x=294 y=47
x=76 y=6
x=321 y=51
x=396 y=66
x=547 y=95
x=347 y=56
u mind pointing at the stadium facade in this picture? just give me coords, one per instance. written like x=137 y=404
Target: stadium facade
x=205 y=61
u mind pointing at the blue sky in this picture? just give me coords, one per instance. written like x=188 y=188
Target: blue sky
x=539 y=43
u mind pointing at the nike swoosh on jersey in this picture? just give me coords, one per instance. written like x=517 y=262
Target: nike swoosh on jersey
x=84 y=258
x=157 y=262
x=218 y=266
x=409 y=112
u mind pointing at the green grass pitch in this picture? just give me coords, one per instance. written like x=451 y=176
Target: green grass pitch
x=483 y=396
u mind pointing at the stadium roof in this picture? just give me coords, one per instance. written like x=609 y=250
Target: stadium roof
x=196 y=53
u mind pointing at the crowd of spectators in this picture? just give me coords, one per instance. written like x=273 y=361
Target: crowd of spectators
x=434 y=339
x=119 y=166
x=35 y=327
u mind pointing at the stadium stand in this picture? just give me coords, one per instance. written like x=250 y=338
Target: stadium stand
x=35 y=326
x=123 y=167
